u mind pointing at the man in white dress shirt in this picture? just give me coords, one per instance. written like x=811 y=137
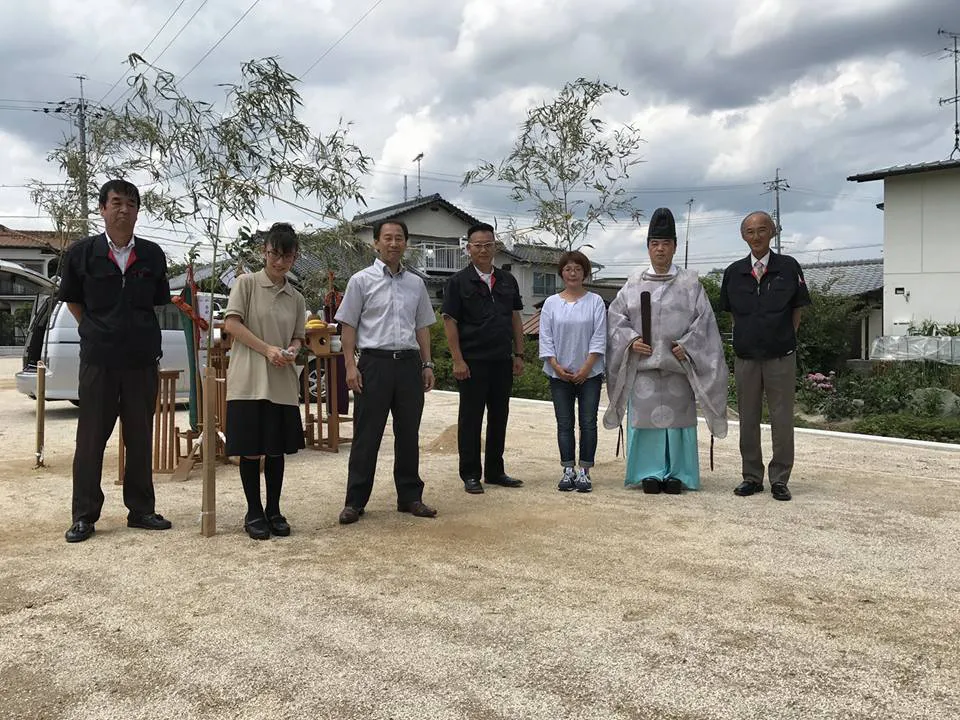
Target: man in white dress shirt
x=386 y=317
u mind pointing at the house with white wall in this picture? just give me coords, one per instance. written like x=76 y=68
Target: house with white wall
x=921 y=243
x=861 y=279
x=35 y=250
x=438 y=231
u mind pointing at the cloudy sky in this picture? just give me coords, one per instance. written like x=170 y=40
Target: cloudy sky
x=724 y=92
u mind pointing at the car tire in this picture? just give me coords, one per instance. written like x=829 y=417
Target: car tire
x=317 y=383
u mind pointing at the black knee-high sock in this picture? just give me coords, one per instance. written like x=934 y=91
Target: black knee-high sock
x=273 y=475
x=250 y=477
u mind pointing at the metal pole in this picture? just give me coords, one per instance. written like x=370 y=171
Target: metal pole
x=84 y=189
x=776 y=187
x=686 y=240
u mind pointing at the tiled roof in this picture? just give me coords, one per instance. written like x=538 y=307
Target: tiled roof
x=540 y=254
x=400 y=209
x=41 y=239
x=342 y=260
x=905 y=170
x=846 y=277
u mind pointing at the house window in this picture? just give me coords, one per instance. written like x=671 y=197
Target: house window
x=544 y=283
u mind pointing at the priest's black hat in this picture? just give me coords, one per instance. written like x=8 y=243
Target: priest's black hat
x=662 y=225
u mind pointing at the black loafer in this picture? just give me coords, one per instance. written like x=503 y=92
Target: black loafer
x=418 y=509
x=79 y=531
x=780 y=491
x=748 y=487
x=150 y=521
x=505 y=481
x=349 y=515
x=672 y=486
x=278 y=525
x=473 y=486
x=651 y=486
x=257 y=528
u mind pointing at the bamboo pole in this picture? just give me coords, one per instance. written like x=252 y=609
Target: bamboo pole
x=208 y=511
x=41 y=410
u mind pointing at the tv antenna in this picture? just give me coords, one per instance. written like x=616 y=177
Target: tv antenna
x=417 y=160
x=955 y=100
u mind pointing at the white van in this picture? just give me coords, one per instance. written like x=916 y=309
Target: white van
x=62 y=353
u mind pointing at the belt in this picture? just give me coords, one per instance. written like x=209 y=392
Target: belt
x=390 y=354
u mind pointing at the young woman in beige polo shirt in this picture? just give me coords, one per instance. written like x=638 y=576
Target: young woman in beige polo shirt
x=265 y=316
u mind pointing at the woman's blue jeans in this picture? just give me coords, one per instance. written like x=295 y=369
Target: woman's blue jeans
x=587 y=398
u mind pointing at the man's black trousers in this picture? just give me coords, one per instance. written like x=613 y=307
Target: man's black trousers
x=392 y=387
x=106 y=393
x=488 y=387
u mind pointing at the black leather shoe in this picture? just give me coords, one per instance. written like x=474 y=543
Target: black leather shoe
x=672 y=486
x=350 y=515
x=505 y=481
x=651 y=486
x=79 y=531
x=150 y=521
x=473 y=486
x=278 y=525
x=417 y=508
x=748 y=487
x=257 y=528
x=780 y=491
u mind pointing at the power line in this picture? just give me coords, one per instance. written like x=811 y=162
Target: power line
x=702 y=259
x=146 y=48
x=166 y=47
x=340 y=39
x=217 y=43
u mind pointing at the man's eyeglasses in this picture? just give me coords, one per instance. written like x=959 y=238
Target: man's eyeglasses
x=483 y=246
x=286 y=257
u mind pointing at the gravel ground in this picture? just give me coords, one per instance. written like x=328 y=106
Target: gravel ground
x=523 y=603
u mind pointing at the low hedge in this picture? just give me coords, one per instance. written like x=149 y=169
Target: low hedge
x=946 y=430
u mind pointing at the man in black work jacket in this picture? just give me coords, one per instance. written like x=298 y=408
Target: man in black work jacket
x=481 y=319
x=764 y=292
x=111 y=283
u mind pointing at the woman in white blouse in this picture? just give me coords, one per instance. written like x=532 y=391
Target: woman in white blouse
x=573 y=336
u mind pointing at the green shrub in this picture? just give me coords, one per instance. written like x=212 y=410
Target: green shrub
x=910 y=426
x=532 y=384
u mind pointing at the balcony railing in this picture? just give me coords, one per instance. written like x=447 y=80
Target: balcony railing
x=448 y=259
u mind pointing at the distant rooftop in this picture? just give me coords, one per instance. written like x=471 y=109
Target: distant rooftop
x=400 y=209
x=846 y=277
x=43 y=239
x=905 y=170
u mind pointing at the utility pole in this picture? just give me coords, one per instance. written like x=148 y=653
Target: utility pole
x=84 y=160
x=404 y=187
x=955 y=100
x=686 y=240
x=417 y=160
x=776 y=186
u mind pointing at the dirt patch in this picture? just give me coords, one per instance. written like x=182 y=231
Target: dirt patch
x=445 y=443
x=524 y=603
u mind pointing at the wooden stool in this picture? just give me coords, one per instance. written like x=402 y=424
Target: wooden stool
x=165 y=439
x=164 y=424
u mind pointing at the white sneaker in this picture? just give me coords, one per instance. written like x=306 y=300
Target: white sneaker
x=569 y=480
x=582 y=481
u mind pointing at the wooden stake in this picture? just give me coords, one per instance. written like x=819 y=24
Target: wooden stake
x=41 y=410
x=208 y=512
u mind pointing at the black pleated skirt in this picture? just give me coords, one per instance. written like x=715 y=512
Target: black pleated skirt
x=260 y=427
